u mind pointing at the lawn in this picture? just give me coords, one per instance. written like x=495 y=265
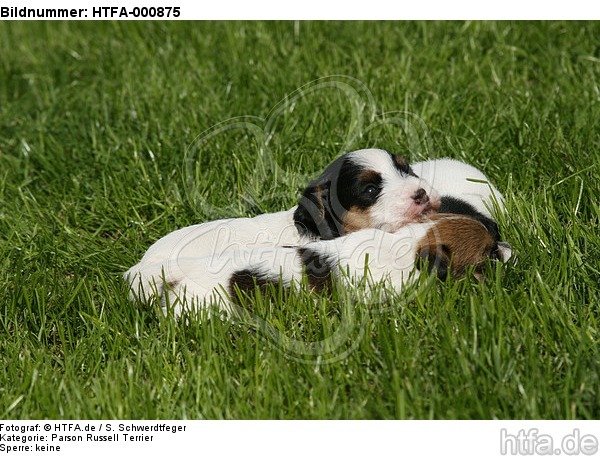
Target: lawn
x=115 y=134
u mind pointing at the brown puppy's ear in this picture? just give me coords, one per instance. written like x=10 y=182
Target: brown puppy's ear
x=313 y=216
x=434 y=257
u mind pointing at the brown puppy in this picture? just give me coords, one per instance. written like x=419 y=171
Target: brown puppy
x=455 y=243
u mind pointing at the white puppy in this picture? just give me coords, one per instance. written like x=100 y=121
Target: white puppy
x=368 y=188
x=449 y=243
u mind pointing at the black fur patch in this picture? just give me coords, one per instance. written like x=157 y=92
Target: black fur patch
x=318 y=269
x=451 y=205
x=247 y=280
x=353 y=187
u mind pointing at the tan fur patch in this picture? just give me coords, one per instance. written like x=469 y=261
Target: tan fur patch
x=464 y=241
x=369 y=175
x=356 y=219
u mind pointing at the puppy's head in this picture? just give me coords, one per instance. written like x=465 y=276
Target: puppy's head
x=455 y=243
x=368 y=188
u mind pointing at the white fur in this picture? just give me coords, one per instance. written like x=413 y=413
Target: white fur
x=453 y=178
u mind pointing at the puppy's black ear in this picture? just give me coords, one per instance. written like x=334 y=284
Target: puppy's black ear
x=313 y=216
x=402 y=165
x=434 y=257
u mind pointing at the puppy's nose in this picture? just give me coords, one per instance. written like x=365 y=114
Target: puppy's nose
x=420 y=197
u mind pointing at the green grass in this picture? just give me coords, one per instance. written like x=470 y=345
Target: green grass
x=102 y=152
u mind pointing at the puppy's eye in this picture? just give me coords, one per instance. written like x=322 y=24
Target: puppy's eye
x=371 y=190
